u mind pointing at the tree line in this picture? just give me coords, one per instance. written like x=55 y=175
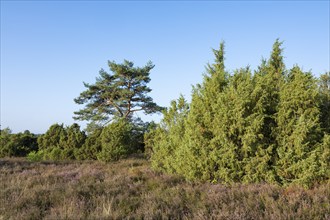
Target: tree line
x=112 y=132
x=267 y=125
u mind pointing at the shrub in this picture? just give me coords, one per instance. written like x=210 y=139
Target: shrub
x=116 y=141
x=17 y=145
x=35 y=156
x=61 y=143
x=92 y=146
x=251 y=128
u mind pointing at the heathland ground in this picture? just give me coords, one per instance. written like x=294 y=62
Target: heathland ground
x=130 y=189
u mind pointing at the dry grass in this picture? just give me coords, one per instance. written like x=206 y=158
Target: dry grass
x=129 y=189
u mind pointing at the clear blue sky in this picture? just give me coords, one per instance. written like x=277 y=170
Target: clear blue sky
x=49 y=48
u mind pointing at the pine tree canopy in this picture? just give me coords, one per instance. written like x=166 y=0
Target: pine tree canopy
x=118 y=94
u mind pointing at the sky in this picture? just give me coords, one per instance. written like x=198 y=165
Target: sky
x=49 y=48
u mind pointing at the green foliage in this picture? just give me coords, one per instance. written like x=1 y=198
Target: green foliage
x=35 y=156
x=55 y=153
x=92 y=146
x=53 y=137
x=116 y=141
x=168 y=137
x=148 y=138
x=116 y=96
x=276 y=63
x=119 y=94
x=270 y=126
x=17 y=145
x=298 y=131
x=75 y=138
x=196 y=128
x=235 y=134
x=60 y=143
x=323 y=159
x=324 y=90
x=139 y=128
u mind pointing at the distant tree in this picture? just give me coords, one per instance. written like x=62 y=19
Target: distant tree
x=61 y=142
x=119 y=94
x=139 y=128
x=17 y=145
x=75 y=138
x=54 y=137
x=27 y=142
x=5 y=149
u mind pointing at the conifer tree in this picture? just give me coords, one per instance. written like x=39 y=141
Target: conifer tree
x=268 y=80
x=168 y=137
x=323 y=160
x=298 y=131
x=258 y=139
x=243 y=151
x=200 y=120
x=117 y=140
x=61 y=142
x=119 y=94
x=91 y=147
x=324 y=88
x=75 y=137
x=249 y=128
x=54 y=137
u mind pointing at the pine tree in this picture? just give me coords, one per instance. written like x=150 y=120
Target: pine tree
x=119 y=94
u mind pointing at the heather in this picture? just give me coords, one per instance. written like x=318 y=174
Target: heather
x=130 y=189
